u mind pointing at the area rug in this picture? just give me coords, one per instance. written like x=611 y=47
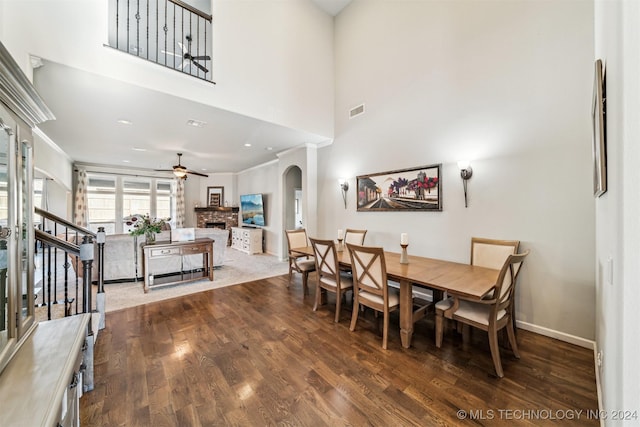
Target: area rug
x=238 y=268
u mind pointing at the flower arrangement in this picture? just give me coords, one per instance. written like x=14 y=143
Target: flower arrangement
x=143 y=224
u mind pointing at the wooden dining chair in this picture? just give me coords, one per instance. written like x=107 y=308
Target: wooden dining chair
x=491 y=253
x=370 y=286
x=355 y=237
x=328 y=274
x=302 y=264
x=490 y=315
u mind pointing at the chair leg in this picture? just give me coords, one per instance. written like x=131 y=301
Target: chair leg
x=385 y=329
x=338 y=303
x=305 y=285
x=290 y=275
x=495 y=351
x=512 y=340
x=439 y=328
x=354 y=315
x=318 y=297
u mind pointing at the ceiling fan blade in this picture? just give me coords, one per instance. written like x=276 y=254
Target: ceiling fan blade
x=200 y=66
x=197 y=173
x=171 y=53
x=201 y=57
x=163 y=170
x=184 y=49
x=184 y=64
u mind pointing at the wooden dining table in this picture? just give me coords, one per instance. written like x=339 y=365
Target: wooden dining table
x=440 y=276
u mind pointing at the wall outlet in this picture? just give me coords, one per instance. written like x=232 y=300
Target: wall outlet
x=609 y=276
x=599 y=359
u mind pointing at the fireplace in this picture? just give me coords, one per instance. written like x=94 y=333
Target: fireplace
x=221 y=225
x=217 y=217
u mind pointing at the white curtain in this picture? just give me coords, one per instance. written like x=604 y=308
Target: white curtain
x=80 y=199
x=180 y=210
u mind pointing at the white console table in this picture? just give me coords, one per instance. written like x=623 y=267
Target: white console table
x=246 y=239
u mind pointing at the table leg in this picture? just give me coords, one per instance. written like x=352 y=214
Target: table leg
x=406 y=313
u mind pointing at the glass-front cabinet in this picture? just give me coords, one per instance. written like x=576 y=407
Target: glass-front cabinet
x=16 y=234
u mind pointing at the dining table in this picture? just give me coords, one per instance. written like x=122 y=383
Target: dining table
x=440 y=276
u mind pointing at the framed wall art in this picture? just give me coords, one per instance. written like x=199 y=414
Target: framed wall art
x=215 y=197
x=599 y=131
x=414 y=189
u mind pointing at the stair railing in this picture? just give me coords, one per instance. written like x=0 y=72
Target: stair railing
x=76 y=247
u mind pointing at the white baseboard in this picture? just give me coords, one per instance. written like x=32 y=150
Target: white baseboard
x=571 y=339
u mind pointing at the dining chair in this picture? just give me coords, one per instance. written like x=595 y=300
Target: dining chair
x=302 y=264
x=491 y=253
x=490 y=315
x=328 y=277
x=354 y=236
x=370 y=287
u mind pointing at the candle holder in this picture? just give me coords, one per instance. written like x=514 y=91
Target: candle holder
x=340 y=247
x=404 y=257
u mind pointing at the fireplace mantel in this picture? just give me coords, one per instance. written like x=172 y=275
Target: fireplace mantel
x=220 y=209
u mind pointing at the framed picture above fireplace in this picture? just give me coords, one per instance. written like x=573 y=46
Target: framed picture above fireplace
x=215 y=197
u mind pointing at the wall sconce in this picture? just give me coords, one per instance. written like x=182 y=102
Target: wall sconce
x=465 y=173
x=344 y=186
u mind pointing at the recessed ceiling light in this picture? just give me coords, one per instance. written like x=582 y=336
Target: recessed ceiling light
x=247 y=145
x=195 y=123
x=269 y=148
x=139 y=149
x=125 y=161
x=125 y=122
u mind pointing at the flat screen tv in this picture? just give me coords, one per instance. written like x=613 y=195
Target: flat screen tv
x=252 y=209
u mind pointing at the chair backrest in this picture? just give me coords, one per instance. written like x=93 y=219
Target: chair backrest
x=506 y=283
x=491 y=253
x=355 y=237
x=369 y=269
x=326 y=259
x=296 y=238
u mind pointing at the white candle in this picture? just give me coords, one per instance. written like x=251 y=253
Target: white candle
x=404 y=239
x=340 y=234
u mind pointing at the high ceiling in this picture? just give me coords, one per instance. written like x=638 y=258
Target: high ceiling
x=88 y=108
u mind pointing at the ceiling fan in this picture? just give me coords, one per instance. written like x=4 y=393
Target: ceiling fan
x=181 y=171
x=189 y=59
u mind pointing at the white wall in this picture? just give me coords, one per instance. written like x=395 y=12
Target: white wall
x=504 y=84
x=264 y=179
x=51 y=161
x=260 y=68
x=617 y=40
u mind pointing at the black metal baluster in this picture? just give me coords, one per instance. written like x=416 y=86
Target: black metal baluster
x=49 y=282
x=117 y=23
x=128 y=18
x=55 y=267
x=137 y=27
x=147 y=30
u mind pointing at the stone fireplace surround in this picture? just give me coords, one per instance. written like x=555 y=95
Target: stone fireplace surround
x=222 y=217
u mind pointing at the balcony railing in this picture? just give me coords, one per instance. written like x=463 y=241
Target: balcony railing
x=168 y=32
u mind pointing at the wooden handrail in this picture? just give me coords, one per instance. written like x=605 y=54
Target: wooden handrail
x=72 y=226
x=58 y=243
x=192 y=10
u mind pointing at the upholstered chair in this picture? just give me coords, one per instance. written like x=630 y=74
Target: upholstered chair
x=328 y=274
x=302 y=264
x=370 y=287
x=490 y=314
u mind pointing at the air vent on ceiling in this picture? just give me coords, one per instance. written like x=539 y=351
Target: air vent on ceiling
x=356 y=111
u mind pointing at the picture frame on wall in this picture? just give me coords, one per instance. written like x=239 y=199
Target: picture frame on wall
x=599 y=131
x=413 y=189
x=215 y=197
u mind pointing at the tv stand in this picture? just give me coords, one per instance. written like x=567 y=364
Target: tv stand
x=248 y=240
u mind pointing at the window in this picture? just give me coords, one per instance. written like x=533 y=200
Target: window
x=111 y=199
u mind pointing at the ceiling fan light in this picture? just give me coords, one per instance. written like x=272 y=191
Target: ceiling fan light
x=180 y=172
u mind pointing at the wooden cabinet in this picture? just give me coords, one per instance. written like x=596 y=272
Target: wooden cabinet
x=247 y=240
x=42 y=384
x=160 y=250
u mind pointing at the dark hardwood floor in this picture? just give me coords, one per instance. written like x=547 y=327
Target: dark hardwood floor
x=256 y=354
